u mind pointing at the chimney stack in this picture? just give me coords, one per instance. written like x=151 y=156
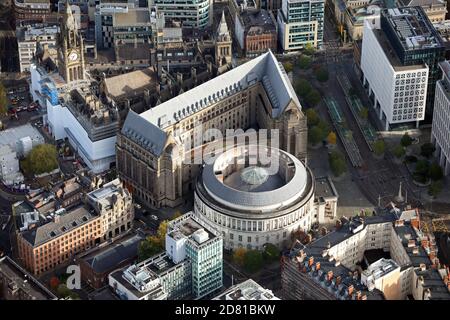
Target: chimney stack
x=350 y=290
x=338 y=280
x=358 y=295
x=317 y=266
x=310 y=261
x=330 y=275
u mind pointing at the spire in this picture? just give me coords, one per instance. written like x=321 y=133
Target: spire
x=69 y=20
x=223 y=27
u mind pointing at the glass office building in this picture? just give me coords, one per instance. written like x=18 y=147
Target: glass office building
x=300 y=22
x=191 y=13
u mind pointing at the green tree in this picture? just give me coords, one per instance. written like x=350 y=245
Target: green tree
x=378 y=147
x=309 y=49
x=406 y=140
x=41 y=159
x=427 y=149
x=364 y=113
x=435 y=188
x=316 y=135
x=398 y=151
x=288 y=66
x=303 y=87
x=421 y=171
x=337 y=163
x=322 y=74
x=65 y=292
x=313 y=98
x=253 y=261
x=239 y=256
x=3 y=100
x=312 y=117
x=304 y=62
x=435 y=172
x=271 y=252
x=149 y=247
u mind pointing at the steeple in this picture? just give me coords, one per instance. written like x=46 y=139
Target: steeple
x=69 y=20
x=222 y=31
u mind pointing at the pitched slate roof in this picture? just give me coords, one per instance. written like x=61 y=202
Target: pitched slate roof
x=148 y=126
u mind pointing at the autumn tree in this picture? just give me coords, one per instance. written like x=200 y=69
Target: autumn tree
x=331 y=138
x=239 y=256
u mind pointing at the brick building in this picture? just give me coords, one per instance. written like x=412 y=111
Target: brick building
x=256 y=31
x=58 y=236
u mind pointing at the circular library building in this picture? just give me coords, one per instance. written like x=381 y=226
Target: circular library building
x=255 y=195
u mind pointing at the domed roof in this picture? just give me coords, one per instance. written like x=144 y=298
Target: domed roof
x=254 y=175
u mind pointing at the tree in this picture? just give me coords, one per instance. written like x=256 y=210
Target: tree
x=3 y=100
x=239 y=256
x=253 y=261
x=313 y=98
x=312 y=117
x=65 y=292
x=406 y=140
x=288 y=66
x=398 y=151
x=271 y=252
x=322 y=74
x=421 y=171
x=427 y=149
x=435 y=188
x=337 y=163
x=42 y=159
x=149 y=247
x=316 y=135
x=54 y=283
x=364 y=113
x=331 y=138
x=435 y=172
x=303 y=87
x=378 y=147
x=304 y=62
x=309 y=49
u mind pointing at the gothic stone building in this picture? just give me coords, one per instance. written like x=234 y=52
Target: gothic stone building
x=155 y=149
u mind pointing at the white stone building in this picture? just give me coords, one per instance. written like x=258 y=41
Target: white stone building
x=114 y=204
x=252 y=204
x=28 y=36
x=398 y=91
x=440 y=133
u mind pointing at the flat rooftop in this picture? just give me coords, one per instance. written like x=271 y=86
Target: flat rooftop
x=186 y=227
x=132 y=18
x=12 y=135
x=412 y=27
x=247 y=290
x=380 y=268
x=391 y=55
x=325 y=188
x=17 y=276
x=258 y=21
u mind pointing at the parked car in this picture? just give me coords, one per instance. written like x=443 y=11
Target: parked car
x=153 y=217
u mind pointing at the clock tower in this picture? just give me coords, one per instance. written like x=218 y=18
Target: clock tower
x=71 y=49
